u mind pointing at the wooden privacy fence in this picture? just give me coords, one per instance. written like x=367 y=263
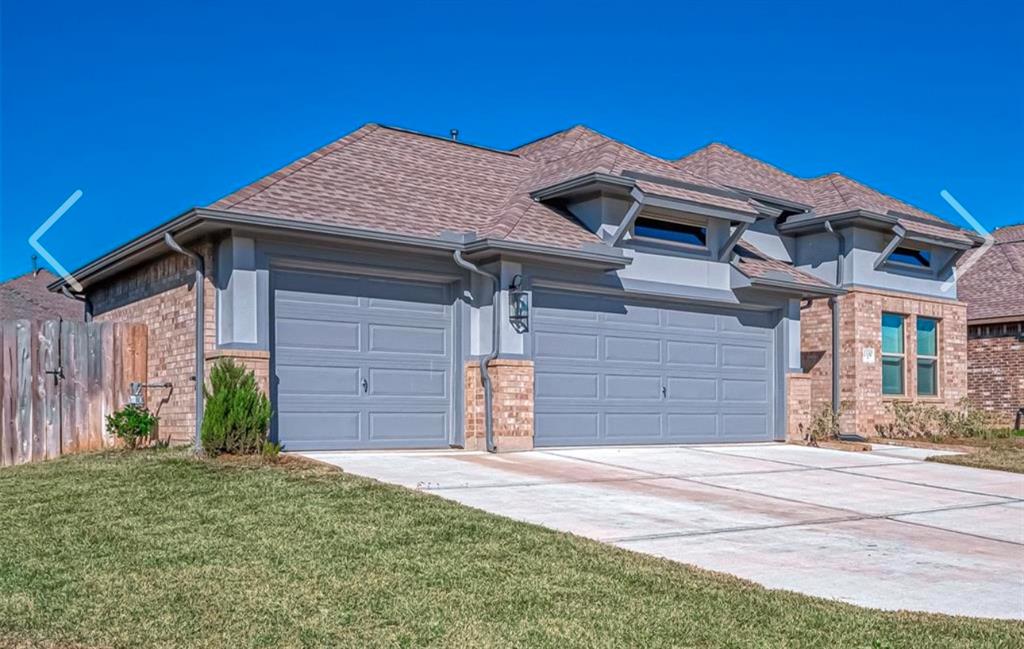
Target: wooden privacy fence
x=58 y=382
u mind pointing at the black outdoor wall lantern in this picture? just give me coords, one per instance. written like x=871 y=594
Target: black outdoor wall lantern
x=519 y=305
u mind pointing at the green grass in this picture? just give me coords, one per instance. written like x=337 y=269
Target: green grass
x=1002 y=450
x=154 y=549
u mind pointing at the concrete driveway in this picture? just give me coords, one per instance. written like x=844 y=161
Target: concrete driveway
x=881 y=529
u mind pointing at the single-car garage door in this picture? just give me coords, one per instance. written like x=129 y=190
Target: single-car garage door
x=361 y=362
x=614 y=371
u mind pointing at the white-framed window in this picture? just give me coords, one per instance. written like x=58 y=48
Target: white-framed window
x=893 y=354
x=927 y=331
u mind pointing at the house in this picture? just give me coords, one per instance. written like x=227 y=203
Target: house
x=26 y=298
x=993 y=288
x=639 y=300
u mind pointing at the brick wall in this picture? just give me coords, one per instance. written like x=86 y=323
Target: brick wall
x=255 y=360
x=512 y=389
x=860 y=328
x=995 y=374
x=799 y=407
x=160 y=294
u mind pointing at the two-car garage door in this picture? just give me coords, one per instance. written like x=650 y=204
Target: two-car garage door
x=611 y=371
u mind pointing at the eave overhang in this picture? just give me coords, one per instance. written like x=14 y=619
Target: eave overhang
x=628 y=185
x=198 y=223
x=810 y=223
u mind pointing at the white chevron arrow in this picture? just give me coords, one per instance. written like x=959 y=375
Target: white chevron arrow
x=41 y=230
x=979 y=228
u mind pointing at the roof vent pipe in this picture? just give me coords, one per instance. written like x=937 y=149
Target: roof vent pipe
x=485 y=376
x=197 y=259
x=454 y=134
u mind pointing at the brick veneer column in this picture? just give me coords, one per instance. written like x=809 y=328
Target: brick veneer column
x=258 y=361
x=799 y=409
x=512 y=390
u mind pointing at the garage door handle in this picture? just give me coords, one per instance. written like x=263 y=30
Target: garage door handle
x=366 y=385
x=664 y=392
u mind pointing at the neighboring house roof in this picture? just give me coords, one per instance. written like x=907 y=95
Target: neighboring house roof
x=27 y=298
x=993 y=284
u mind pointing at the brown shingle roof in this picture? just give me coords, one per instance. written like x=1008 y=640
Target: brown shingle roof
x=993 y=286
x=398 y=181
x=26 y=297
x=830 y=194
x=755 y=264
x=728 y=166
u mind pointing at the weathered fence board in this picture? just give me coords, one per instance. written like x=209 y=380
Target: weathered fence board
x=58 y=382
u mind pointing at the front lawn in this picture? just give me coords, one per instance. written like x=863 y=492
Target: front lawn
x=154 y=549
x=1002 y=450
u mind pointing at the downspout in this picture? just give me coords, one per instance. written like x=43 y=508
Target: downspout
x=81 y=297
x=485 y=376
x=833 y=303
x=197 y=259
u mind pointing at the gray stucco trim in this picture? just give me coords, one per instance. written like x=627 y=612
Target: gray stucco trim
x=197 y=222
x=898 y=235
x=803 y=290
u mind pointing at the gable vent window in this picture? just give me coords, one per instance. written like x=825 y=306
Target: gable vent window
x=911 y=257
x=690 y=235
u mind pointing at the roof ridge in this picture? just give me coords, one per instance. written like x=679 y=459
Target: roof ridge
x=835 y=174
x=266 y=182
x=755 y=159
x=441 y=138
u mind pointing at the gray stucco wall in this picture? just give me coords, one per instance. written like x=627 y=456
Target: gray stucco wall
x=817 y=253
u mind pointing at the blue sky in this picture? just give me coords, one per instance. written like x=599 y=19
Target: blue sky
x=151 y=108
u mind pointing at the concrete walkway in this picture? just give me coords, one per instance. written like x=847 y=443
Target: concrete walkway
x=881 y=529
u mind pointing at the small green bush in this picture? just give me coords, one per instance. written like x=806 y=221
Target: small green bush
x=132 y=424
x=237 y=413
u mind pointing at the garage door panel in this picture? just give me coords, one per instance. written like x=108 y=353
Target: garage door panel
x=420 y=341
x=666 y=374
x=744 y=390
x=319 y=334
x=742 y=356
x=570 y=427
x=632 y=386
x=692 y=353
x=691 y=321
x=624 y=427
x=313 y=380
x=566 y=385
x=743 y=425
x=691 y=389
x=634 y=350
x=320 y=430
x=691 y=425
x=408 y=383
x=554 y=344
x=411 y=427
x=367 y=366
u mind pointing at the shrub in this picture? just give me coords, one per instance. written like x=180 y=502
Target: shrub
x=911 y=419
x=237 y=412
x=132 y=425
x=824 y=424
